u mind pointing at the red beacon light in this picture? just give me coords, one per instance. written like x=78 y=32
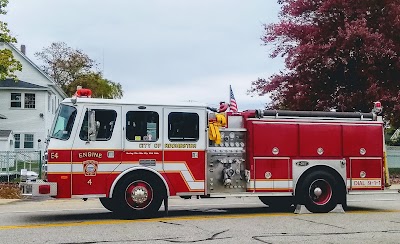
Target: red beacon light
x=377 y=107
x=84 y=93
x=81 y=92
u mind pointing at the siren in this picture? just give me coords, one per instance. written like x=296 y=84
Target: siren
x=222 y=107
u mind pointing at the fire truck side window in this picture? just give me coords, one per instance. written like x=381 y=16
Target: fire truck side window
x=105 y=120
x=142 y=126
x=183 y=126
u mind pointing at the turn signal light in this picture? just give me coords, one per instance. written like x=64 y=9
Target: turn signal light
x=44 y=189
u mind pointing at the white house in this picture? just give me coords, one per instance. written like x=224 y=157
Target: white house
x=29 y=104
x=6 y=140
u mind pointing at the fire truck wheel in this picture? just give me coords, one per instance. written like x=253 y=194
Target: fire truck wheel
x=108 y=203
x=320 y=192
x=140 y=195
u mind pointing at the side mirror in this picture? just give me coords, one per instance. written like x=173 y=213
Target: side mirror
x=92 y=125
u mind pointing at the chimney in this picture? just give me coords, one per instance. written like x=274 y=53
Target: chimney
x=23 y=49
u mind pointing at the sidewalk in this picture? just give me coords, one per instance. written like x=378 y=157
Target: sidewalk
x=8 y=201
x=394 y=187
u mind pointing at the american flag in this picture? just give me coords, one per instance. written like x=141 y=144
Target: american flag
x=232 y=104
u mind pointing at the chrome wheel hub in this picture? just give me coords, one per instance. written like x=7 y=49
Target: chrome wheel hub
x=139 y=194
x=320 y=191
x=317 y=192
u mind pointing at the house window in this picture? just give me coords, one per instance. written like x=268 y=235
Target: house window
x=28 y=141
x=29 y=100
x=15 y=100
x=17 y=138
x=183 y=126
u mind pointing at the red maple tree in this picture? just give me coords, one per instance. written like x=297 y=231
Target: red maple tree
x=339 y=54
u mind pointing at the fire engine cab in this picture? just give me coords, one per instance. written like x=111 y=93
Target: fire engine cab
x=134 y=156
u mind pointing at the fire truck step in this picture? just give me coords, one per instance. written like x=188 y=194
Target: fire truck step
x=301 y=209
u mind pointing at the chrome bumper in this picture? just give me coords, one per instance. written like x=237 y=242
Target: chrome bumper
x=38 y=188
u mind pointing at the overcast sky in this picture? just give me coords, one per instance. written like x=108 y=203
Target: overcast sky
x=166 y=50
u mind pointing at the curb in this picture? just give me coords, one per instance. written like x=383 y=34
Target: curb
x=8 y=201
x=395 y=187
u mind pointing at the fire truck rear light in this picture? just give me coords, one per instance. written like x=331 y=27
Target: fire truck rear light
x=44 y=189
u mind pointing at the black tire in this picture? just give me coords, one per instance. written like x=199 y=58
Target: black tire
x=149 y=194
x=108 y=203
x=278 y=203
x=319 y=192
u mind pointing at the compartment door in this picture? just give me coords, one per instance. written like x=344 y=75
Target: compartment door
x=272 y=175
x=363 y=141
x=275 y=140
x=366 y=174
x=320 y=140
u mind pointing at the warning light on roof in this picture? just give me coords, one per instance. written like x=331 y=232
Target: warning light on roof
x=81 y=92
x=84 y=93
x=377 y=108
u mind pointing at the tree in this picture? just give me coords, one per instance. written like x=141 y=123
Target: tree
x=8 y=64
x=71 y=67
x=64 y=64
x=339 y=54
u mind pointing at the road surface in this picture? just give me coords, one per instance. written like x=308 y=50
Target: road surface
x=370 y=219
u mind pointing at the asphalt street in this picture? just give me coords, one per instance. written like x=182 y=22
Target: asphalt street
x=369 y=219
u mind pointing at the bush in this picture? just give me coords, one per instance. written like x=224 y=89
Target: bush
x=9 y=191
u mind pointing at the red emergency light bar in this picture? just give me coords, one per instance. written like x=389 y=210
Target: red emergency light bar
x=84 y=93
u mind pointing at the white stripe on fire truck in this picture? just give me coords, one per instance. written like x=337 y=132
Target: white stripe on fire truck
x=277 y=184
x=108 y=168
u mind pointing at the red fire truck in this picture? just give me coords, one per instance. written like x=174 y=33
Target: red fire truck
x=134 y=156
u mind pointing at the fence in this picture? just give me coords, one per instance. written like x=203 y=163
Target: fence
x=393 y=156
x=11 y=163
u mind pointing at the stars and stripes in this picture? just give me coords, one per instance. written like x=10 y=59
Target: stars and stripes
x=232 y=104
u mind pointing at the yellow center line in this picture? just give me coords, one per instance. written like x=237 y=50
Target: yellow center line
x=184 y=218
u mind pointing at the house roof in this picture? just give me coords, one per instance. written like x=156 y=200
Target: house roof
x=10 y=83
x=5 y=133
x=52 y=83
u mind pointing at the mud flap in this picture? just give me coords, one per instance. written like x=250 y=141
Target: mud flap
x=166 y=205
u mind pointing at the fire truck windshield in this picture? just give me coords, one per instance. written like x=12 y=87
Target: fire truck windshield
x=63 y=123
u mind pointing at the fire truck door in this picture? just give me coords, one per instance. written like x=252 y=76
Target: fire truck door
x=185 y=148
x=93 y=161
x=142 y=137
